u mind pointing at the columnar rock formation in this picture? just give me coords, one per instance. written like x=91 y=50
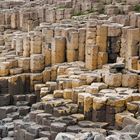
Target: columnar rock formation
x=70 y=66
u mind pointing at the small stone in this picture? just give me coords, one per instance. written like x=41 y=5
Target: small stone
x=58 y=127
x=99 y=137
x=64 y=136
x=74 y=128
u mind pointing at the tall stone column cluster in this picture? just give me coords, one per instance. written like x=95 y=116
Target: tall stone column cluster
x=47 y=45
x=69 y=66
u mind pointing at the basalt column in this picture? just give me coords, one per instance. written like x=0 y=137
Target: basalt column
x=91 y=48
x=102 y=31
x=82 y=43
x=72 y=46
x=48 y=34
x=58 y=50
x=133 y=40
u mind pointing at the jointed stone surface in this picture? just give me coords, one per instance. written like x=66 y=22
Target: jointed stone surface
x=69 y=69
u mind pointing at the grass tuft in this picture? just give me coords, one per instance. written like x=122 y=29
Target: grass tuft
x=137 y=8
x=79 y=13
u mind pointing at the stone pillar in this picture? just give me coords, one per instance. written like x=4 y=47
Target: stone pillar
x=132 y=44
x=46 y=51
x=101 y=39
x=91 y=57
x=16 y=84
x=46 y=74
x=8 y=18
x=19 y=45
x=138 y=65
x=1 y=40
x=51 y=16
x=113 y=79
x=102 y=59
x=91 y=34
x=58 y=50
x=36 y=44
x=13 y=44
x=26 y=46
x=58 y=31
x=15 y=20
x=28 y=19
x=92 y=49
x=67 y=94
x=130 y=80
x=114 y=106
x=3 y=85
x=133 y=62
x=35 y=78
x=4 y=69
x=48 y=34
x=82 y=42
x=37 y=63
x=24 y=63
x=8 y=40
x=23 y=20
x=88 y=102
x=133 y=39
x=139 y=83
x=54 y=72
x=81 y=102
x=99 y=109
x=72 y=46
x=2 y=21
x=59 y=14
x=123 y=53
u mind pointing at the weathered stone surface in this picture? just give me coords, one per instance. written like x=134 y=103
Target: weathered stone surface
x=63 y=136
x=113 y=80
x=37 y=63
x=69 y=66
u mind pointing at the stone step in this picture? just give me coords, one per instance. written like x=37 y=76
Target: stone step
x=6 y=110
x=5 y=99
